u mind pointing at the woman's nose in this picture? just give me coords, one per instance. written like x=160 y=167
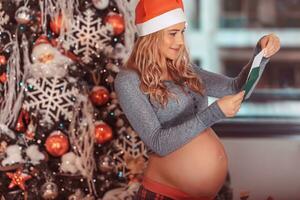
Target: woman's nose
x=180 y=39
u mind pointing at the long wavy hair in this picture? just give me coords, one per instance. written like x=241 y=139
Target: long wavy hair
x=147 y=60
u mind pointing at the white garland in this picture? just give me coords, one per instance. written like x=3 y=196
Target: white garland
x=55 y=8
x=127 y=9
x=14 y=87
x=82 y=138
x=4 y=18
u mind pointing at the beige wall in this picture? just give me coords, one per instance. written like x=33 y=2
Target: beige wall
x=265 y=166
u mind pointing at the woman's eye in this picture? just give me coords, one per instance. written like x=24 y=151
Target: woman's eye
x=173 y=34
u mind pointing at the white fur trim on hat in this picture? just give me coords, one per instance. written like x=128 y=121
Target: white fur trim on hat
x=161 y=22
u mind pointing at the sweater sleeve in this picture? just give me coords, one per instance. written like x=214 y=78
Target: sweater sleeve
x=218 y=85
x=139 y=112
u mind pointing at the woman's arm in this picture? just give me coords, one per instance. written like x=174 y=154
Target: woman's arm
x=218 y=85
x=138 y=110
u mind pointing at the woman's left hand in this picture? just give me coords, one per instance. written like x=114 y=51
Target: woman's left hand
x=271 y=44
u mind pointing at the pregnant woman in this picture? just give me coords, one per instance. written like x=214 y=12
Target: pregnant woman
x=164 y=96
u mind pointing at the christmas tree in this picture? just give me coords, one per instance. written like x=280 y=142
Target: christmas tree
x=62 y=132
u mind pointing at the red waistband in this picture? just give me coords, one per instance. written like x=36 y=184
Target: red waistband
x=168 y=191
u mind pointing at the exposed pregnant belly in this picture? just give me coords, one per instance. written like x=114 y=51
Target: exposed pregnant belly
x=199 y=168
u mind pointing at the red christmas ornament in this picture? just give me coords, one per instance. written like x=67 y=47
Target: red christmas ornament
x=20 y=127
x=23 y=121
x=3 y=78
x=116 y=21
x=2 y=60
x=55 y=25
x=57 y=144
x=103 y=133
x=99 y=95
x=18 y=179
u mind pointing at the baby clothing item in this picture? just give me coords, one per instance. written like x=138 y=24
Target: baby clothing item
x=165 y=130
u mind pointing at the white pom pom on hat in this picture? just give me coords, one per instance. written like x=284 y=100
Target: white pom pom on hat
x=154 y=15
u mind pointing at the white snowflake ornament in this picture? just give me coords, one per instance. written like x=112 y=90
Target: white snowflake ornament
x=53 y=98
x=88 y=36
x=131 y=144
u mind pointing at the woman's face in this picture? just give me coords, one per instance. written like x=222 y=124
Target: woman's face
x=172 y=41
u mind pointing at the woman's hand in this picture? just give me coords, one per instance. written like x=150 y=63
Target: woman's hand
x=271 y=44
x=231 y=104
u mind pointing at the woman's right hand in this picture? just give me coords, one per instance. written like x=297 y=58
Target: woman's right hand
x=231 y=104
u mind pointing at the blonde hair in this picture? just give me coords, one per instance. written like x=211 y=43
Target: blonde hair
x=147 y=60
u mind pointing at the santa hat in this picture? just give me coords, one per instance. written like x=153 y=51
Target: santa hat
x=154 y=15
x=41 y=40
x=43 y=45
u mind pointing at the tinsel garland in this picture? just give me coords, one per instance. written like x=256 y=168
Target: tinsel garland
x=127 y=9
x=14 y=87
x=53 y=9
x=82 y=138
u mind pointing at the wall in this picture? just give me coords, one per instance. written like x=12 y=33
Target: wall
x=264 y=167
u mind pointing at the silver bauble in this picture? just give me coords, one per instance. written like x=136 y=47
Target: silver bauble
x=49 y=190
x=78 y=195
x=101 y=4
x=106 y=164
x=23 y=15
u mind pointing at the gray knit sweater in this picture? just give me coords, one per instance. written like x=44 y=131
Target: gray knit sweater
x=164 y=130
